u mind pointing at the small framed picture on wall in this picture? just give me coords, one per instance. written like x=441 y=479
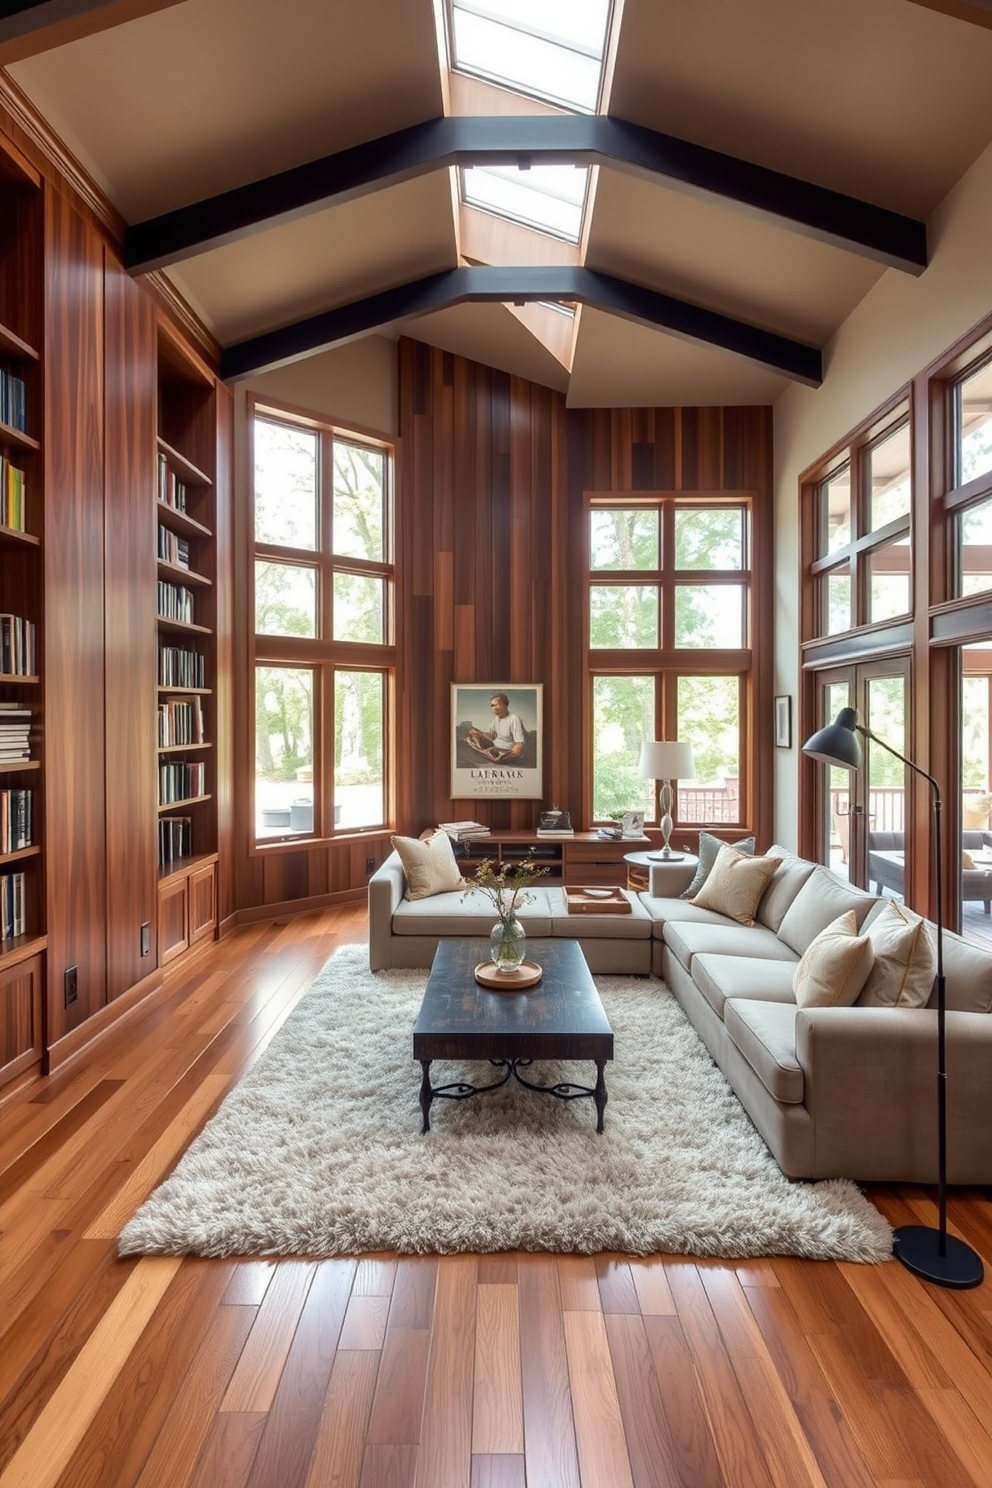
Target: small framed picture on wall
x=783 y=722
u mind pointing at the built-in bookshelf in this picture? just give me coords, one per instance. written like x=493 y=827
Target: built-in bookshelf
x=22 y=885
x=186 y=619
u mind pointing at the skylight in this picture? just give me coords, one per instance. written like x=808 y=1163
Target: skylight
x=548 y=49
x=547 y=197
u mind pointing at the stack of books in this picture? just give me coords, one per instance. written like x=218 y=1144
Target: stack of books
x=17 y=646
x=11 y=495
x=11 y=905
x=464 y=831
x=16 y=820
x=15 y=729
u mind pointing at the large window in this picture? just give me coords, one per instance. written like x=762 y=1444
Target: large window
x=322 y=603
x=669 y=617
x=861 y=553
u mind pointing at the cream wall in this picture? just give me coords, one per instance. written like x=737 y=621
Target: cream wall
x=901 y=325
x=353 y=384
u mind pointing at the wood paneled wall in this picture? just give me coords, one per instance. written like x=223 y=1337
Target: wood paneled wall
x=491 y=550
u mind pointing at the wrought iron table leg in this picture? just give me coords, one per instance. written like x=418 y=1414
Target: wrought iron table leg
x=426 y=1095
x=599 y=1094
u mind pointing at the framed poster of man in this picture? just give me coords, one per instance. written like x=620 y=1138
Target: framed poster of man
x=496 y=740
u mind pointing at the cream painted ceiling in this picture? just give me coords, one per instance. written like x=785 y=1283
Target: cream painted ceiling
x=886 y=100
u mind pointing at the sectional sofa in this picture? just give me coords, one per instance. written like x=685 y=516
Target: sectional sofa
x=834 y=1091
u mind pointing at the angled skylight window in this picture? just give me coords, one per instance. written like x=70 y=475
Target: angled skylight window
x=547 y=197
x=549 y=49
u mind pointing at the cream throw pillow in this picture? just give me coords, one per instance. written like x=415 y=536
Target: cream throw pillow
x=429 y=865
x=835 y=965
x=905 y=959
x=735 y=884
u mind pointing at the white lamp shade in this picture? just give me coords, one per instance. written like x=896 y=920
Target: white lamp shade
x=666 y=760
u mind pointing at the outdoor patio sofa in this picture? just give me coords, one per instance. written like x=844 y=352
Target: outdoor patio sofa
x=834 y=1091
x=887 y=865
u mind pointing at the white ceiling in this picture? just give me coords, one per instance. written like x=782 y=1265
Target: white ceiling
x=886 y=100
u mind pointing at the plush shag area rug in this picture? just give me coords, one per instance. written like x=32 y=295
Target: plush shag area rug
x=318 y=1151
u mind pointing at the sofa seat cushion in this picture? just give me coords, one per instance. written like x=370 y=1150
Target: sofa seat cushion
x=765 y=1034
x=720 y=977
x=469 y=913
x=662 y=910
x=687 y=939
x=634 y=926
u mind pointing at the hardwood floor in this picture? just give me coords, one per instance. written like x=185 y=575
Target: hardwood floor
x=493 y=1371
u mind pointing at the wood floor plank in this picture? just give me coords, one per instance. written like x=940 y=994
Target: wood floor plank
x=228 y=1451
x=389 y=1467
x=398 y=1405
x=287 y=1443
x=549 y=1427
x=412 y=1304
x=497 y=1402
x=259 y=1369
x=579 y=1284
x=968 y=1438
x=654 y=1295
x=599 y=1433
x=340 y=1444
x=498 y=1472
x=62 y=1424
x=375 y=1277
x=365 y=1323
x=693 y=1454
x=444 y=1460
x=617 y=1292
x=649 y=1447
x=54 y=1140
x=922 y=1368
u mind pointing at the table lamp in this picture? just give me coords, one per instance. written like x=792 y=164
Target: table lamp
x=666 y=760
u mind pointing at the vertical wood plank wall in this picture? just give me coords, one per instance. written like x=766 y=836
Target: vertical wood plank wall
x=129 y=535
x=489 y=542
x=74 y=620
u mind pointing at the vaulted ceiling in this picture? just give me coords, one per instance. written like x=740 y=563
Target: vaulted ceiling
x=757 y=167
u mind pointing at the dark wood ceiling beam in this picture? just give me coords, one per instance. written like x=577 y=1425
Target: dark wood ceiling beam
x=975 y=12
x=439 y=291
x=829 y=216
x=29 y=27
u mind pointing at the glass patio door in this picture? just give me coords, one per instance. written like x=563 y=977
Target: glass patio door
x=861 y=814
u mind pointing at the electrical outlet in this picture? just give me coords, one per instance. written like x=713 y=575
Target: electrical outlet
x=146 y=938
x=370 y=865
x=70 y=984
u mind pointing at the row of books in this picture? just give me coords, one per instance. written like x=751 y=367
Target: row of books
x=180 y=722
x=175 y=602
x=16 y=820
x=180 y=667
x=175 y=839
x=464 y=831
x=12 y=918
x=172 y=548
x=13 y=404
x=181 y=781
x=17 y=646
x=11 y=495
x=15 y=732
x=171 y=490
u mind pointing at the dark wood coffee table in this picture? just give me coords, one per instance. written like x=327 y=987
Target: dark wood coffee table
x=559 y=1018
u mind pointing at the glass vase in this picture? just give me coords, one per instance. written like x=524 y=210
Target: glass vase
x=506 y=944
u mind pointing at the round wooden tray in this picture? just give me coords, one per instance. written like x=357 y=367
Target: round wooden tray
x=526 y=975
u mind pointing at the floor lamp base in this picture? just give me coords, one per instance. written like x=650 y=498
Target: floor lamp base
x=918 y=1247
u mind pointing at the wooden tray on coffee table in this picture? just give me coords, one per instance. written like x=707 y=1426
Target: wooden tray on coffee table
x=527 y=974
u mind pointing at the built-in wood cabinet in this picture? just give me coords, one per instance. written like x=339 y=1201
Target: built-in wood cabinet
x=22 y=859
x=186 y=617
x=584 y=858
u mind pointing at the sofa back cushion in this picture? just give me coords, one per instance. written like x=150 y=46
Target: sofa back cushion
x=790 y=875
x=968 y=975
x=821 y=899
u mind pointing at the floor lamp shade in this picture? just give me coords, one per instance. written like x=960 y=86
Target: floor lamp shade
x=931 y=1253
x=666 y=760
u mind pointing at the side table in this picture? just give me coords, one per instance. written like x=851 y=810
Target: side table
x=665 y=880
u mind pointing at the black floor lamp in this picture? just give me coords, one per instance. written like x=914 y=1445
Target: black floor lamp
x=931 y=1253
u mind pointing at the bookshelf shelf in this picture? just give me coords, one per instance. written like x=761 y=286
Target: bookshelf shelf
x=14 y=348
x=22 y=852
x=186 y=515
x=14 y=537
x=17 y=438
x=7 y=767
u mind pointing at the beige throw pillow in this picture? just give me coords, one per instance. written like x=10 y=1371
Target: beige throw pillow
x=735 y=884
x=834 y=966
x=429 y=865
x=905 y=959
